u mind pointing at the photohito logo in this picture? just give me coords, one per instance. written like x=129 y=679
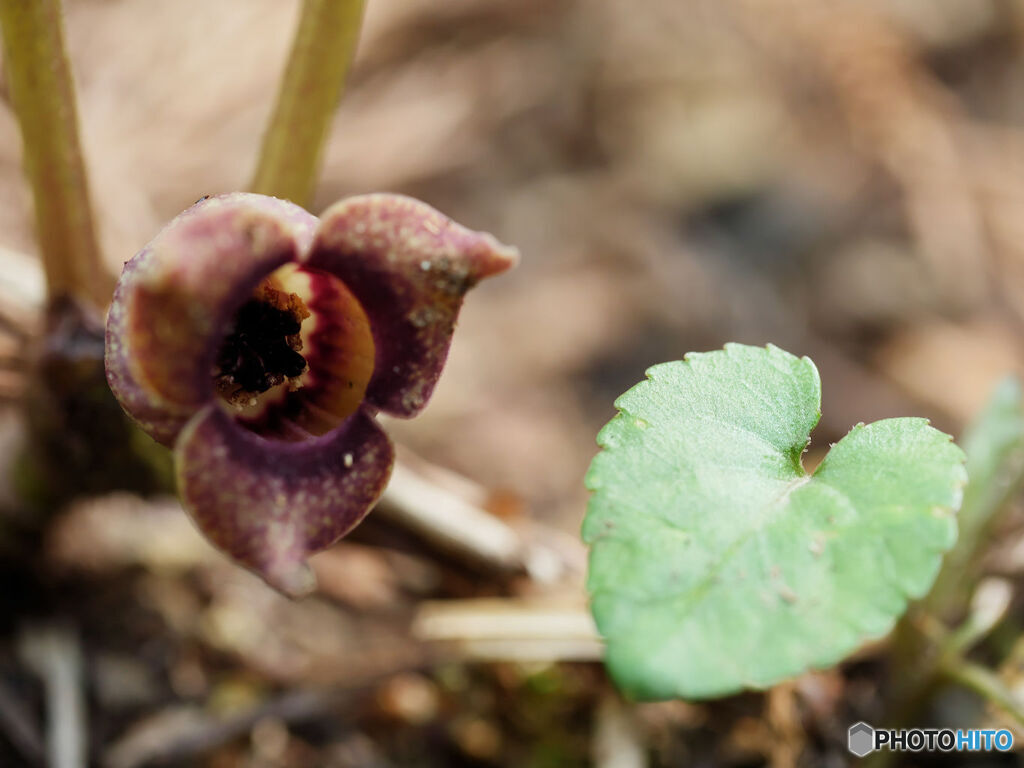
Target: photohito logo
x=862 y=739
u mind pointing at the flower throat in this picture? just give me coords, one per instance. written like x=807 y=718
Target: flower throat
x=263 y=348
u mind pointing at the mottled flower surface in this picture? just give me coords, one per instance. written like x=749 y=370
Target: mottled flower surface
x=259 y=342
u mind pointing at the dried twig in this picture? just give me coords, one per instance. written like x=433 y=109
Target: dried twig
x=20 y=728
x=510 y=630
x=617 y=740
x=181 y=734
x=446 y=510
x=447 y=520
x=54 y=653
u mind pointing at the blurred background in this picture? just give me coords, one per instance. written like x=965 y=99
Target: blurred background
x=844 y=179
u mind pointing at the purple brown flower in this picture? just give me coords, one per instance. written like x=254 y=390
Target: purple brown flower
x=259 y=342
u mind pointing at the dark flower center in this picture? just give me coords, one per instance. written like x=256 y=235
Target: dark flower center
x=263 y=348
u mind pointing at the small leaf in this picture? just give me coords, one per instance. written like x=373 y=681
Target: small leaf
x=994 y=444
x=718 y=563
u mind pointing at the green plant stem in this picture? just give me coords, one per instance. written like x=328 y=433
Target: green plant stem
x=320 y=59
x=985 y=683
x=42 y=93
x=940 y=653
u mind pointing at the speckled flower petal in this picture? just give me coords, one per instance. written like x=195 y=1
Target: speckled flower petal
x=270 y=504
x=409 y=266
x=177 y=296
x=159 y=419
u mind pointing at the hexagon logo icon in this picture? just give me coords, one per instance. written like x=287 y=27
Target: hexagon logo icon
x=860 y=739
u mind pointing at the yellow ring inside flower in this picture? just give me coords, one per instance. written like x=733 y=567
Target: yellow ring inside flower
x=259 y=376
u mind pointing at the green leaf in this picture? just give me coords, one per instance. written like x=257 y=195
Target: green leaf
x=718 y=563
x=994 y=444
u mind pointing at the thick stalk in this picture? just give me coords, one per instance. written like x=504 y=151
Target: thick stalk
x=78 y=440
x=43 y=96
x=318 y=65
